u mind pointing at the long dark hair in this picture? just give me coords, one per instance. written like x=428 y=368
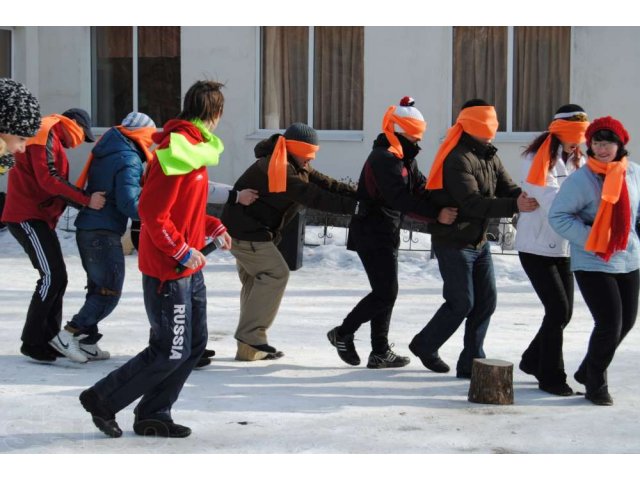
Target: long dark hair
x=555 y=143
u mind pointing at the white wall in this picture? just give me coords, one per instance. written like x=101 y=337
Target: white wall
x=55 y=63
x=606 y=75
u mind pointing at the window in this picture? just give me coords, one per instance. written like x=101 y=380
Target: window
x=135 y=68
x=523 y=71
x=326 y=61
x=5 y=54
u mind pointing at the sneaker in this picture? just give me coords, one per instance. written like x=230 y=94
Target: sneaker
x=435 y=364
x=93 y=352
x=203 y=362
x=209 y=353
x=36 y=352
x=102 y=417
x=69 y=346
x=387 y=360
x=560 y=389
x=344 y=345
x=600 y=397
x=152 y=427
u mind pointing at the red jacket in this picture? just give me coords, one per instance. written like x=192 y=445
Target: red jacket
x=38 y=187
x=172 y=209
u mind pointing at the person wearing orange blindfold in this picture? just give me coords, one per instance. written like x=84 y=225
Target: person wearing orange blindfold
x=115 y=166
x=38 y=192
x=467 y=174
x=285 y=181
x=596 y=210
x=392 y=186
x=544 y=255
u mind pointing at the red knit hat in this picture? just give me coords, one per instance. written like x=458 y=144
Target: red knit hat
x=607 y=123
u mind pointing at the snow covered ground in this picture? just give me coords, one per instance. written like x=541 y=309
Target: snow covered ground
x=310 y=401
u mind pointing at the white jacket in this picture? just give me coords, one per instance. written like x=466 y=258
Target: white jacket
x=534 y=234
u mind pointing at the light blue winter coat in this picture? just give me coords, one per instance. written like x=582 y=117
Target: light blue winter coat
x=574 y=209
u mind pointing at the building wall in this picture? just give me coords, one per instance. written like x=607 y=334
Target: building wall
x=55 y=64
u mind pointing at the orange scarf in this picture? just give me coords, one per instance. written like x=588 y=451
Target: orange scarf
x=278 y=163
x=610 y=230
x=75 y=133
x=140 y=136
x=411 y=126
x=479 y=121
x=568 y=132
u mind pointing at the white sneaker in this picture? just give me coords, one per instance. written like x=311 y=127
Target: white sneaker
x=68 y=345
x=93 y=352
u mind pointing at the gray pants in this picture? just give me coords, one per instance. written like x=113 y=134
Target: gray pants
x=264 y=275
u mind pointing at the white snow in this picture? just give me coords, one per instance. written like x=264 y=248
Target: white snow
x=310 y=401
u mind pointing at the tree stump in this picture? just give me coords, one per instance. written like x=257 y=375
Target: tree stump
x=491 y=382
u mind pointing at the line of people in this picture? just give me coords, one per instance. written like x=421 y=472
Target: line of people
x=466 y=187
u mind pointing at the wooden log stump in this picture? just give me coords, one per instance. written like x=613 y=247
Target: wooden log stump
x=491 y=382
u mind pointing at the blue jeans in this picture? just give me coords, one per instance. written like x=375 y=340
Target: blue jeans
x=177 y=311
x=469 y=291
x=103 y=260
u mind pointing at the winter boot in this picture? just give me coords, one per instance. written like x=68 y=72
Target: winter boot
x=344 y=344
x=67 y=344
x=248 y=353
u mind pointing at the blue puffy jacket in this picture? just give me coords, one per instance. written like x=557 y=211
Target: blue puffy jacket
x=116 y=169
x=574 y=210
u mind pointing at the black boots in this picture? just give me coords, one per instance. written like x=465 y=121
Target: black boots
x=152 y=427
x=102 y=417
x=435 y=364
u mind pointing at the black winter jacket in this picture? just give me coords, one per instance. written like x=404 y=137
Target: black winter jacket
x=389 y=188
x=476 y=182
x=264 y=220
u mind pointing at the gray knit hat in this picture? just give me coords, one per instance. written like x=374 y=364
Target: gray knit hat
x=137 y=120
x=19 y=109
x=302 y=133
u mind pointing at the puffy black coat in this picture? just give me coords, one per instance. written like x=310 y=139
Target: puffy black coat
x=477 y=183
x=264 y=220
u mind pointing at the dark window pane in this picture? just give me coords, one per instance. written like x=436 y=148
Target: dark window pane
x=159 y=72
x=112 y=74
x=283 y=73
x=542 y=58
x=5 y=53
x=338 y=78
x=480 y=68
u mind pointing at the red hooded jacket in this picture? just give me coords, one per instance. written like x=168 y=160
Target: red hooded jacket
x=172 y=209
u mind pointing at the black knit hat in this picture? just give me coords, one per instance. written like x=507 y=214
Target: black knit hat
x=302 y=133
x=19 y=109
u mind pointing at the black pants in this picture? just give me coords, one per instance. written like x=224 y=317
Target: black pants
x=45 y=310
x=380 y=262
x=552 y=280
x=612 y=299
x=177 y=311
